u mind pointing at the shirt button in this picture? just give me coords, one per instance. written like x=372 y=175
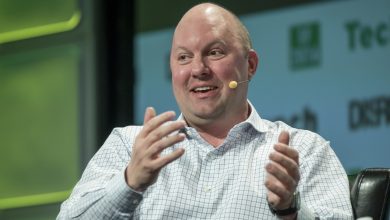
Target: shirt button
x=207 y=188
x=135 y=201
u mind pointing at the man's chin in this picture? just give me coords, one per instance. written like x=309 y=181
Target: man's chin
x=205 y=116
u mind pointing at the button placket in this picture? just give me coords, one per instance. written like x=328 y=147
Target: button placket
x=205 y=179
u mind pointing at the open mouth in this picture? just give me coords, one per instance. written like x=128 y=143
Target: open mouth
x=204 y=89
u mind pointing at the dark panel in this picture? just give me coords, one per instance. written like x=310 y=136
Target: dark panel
x=114 y=66
x=152 y=15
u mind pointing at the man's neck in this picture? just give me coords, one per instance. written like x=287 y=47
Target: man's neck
x=215 y=132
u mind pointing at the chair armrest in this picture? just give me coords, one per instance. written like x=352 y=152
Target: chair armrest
x=370 y=193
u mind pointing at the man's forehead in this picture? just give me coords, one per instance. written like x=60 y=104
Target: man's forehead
x=215 y=25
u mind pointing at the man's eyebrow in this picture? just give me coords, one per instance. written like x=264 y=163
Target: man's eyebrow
x=181 y=48
x=216 y=42
x=210 y=44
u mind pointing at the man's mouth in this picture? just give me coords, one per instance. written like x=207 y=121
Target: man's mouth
x=204 y=89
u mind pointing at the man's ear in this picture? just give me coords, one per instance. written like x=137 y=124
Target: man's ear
x=253 y=61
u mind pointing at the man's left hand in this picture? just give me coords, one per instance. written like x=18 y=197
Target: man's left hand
x=282 y=173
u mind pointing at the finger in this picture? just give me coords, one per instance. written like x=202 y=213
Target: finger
x=164 y=143
x=284 y=138
x=164 y=131
x=277 y=188
x=155 y=122
x=166 y=159
x=278 y=196
x=287 y=151
x=288 y=182
x=272 y=198
x=288 y=164
x=149 y=114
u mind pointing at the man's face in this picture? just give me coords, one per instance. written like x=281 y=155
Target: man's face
x=205 y=57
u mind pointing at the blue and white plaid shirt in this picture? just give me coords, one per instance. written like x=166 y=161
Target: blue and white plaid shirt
x=211 y=183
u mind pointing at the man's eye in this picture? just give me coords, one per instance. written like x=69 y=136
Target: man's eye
x=183 y=57
x=216 y=53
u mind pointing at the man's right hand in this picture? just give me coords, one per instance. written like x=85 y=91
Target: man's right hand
x=146 y=161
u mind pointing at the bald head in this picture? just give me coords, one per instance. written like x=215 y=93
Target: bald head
x=209 y=13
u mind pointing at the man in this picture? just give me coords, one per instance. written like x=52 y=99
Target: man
x=219 y=159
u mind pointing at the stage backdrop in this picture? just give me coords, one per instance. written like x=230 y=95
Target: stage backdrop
x=323 y=67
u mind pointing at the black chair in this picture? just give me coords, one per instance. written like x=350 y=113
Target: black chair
x=370 y=193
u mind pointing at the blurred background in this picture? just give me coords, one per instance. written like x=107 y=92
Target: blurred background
x=72 y=70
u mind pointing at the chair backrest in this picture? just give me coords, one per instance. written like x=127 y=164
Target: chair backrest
x=370 y=193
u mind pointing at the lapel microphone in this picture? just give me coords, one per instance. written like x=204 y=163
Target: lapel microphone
x=233 y=84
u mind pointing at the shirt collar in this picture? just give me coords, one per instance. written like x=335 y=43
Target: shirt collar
x=255 y=120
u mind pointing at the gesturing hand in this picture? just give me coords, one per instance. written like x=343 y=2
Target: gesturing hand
x=282 y=173
x=154 y=137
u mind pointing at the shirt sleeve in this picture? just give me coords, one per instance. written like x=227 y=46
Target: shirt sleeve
x=324 y=185
x=102 y=192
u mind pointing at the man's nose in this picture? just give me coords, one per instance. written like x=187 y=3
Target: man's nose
x=200 y=68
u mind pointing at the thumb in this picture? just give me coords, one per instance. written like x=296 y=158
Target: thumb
x=284 y=137
x=149 y=114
